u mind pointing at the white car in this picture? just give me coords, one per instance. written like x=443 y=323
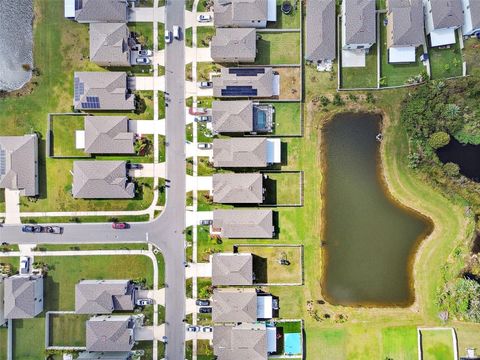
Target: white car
x=24 y=265
x=176 y=32
x=143 y=60
x=145 y=52
x=193 y=329
x=143 y=302
x=204 y=18
x=207 y=329
x=168 y=37
x=204 y=146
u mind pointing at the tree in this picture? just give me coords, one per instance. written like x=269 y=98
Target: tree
x=451 y=169
x=438 y=139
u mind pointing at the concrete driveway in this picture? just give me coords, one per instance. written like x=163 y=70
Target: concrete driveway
x=201 y=182
x=142 y=127
x=191 y=18
x=157 y=295
x=144 y=333
x=202 y=55
x=149 y=170
x=192 y=88
x=12 y=207
x=146 y=83
x=191 y=219
x=199 y=270
x=144 y=14
x=192 y=150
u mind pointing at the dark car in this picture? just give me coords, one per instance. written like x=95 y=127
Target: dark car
x=205 y=310
x=119 y=225
x=201 y=302
x=206 y=222
x=134 y=166
x=53 y=229
x=32 y=228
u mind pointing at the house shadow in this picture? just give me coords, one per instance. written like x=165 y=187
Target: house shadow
x=276 y=224
x=263 y=51
x=42 y=168
x=270 y=191
x=260 y=269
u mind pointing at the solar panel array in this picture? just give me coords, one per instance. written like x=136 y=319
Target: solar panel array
x=93 y=102
x=246 y=71
x=78 y=4
x=239 y=91
x=3 y=162
x=78 y=88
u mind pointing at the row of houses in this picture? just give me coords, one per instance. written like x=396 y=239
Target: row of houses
x=407 y=22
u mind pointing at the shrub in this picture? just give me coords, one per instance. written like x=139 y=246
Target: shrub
x=337 y=100
x=438 y=139
x=451 y=169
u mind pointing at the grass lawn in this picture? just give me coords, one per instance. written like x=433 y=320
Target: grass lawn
x=446 y=63
x=188 y=36
x=290 y=86
x=3 y=342
x=67 y=329
x=400 y=343
x=397 y=74
x=283 y=188
x=203 y=6
x=203 y=71
x=290 y=21
x=204 y=36
x=65 y=272
x=204 y=200
x=287 y=118
x=29 y=338
x=144 y=33
x=161 y=36
x=471 y=53
x=12 y=262
x=204 y=350
x=63 y=135
x=207 y=246
x=278 y=48
x=362 y=77
x=204 y=168
x=437 y=344
x=203 y=133
x=267 y=268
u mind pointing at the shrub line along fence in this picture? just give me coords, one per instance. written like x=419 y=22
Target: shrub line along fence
x=48 y=142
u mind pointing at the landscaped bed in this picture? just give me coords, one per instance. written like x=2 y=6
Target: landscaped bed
x=437 y=344
x=278 y=48
x=283 y=188
x=204 y=36
x=267 y=267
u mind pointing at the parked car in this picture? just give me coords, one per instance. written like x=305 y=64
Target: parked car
x=206 y=222
x=206 y=84
x=134 y=166
x=143 y=302
x=142 y=60
x=32 y=228
x=205 y=310
x=201 y=302
x=203 y=118
x=145 y=52
x=193 y=328
x=53 y=229
x=275 y=304
x=207 y=329
x=176 y=32
x=197 y=111
x=168 y=37
x=204 y=18
x=204 y=146
x=24 y=265
x=119 y=225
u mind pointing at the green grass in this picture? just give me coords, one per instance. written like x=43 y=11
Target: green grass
x=14 y=263
x=188 y=37
x=63 y=135
x=204 y=135
x=283 y=188
x=161 y=36
x=83 y=219
x=361 y=77
x=471 y=53
x=290 y=21
x=278 y=48
x=207 y=246
x=28 y=338
x=204 y=168
x=400 y=343
x=397 y=74
x=64 y=247
x=202 y=6
x=446 y=63
x=204 y=36
x=3 y=342
x=287 y=118
x=204 y=200
x=144 y=31
x=437 y=344
x=67 y=329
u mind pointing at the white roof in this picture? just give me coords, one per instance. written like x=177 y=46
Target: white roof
x=272 y=10
x=274 y=151
x=442 y=37
x=401 y=54
x=264 y=307
x=271 y=339
x=69 y=10
x=79 y=139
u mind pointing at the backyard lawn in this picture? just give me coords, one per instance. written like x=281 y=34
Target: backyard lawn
x=67 y=329
x=62 y=139
x=288 y=120
x=290 y=84
x=400 y=343
x=3 y=342
x=278 y=48
x=284 y=21
x=267 y=267
x=361 y=77
x=446 y=63
x=29 y=338
x=471 y=53
x=437 y=344
x=204 y=36
x=283 y=188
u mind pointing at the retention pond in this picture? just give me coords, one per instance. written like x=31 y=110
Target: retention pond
x=369 y=238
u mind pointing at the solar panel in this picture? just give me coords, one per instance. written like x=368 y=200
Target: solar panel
x=78 y=4
x=78 y=88
x=246 y=71
x=239 y=91
x=3 y=162
x=93 y=102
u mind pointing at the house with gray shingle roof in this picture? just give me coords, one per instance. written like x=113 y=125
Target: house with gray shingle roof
x=405 y=30
x=109 y=44
x=108 y=135
x=244 y=13
x=321 y=31
x=254 y=152
x=246 y=82
x=2 y=317
x=103 y=11
x=442 y=18
x=232 y=305
x=102 y=91
x=109 y=355
x=101 y=180
x=232 y=269
x=234 y=45
x=19 y=164
x=358 y=24
x=240 y=342
x=471 y=10
x=237 y=188
x=242 y=116
x=104 y=296
x=23 y=296
x=250 y=223
x=111 y=333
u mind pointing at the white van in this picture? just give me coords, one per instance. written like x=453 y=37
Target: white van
x=176 y=32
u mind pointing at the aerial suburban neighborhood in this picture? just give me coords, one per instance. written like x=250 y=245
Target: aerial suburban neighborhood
x=239 y=179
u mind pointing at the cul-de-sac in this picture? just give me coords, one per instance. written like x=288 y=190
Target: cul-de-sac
x=239 y=179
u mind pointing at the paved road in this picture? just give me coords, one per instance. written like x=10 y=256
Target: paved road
x=166 y=232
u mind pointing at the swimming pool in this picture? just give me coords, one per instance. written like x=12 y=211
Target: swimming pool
x=292 y=343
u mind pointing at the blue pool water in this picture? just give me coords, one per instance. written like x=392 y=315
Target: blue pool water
x=292 y=344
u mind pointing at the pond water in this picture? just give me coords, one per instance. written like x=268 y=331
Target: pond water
x=368 y=237
x=466 y=156
x=16 y=43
